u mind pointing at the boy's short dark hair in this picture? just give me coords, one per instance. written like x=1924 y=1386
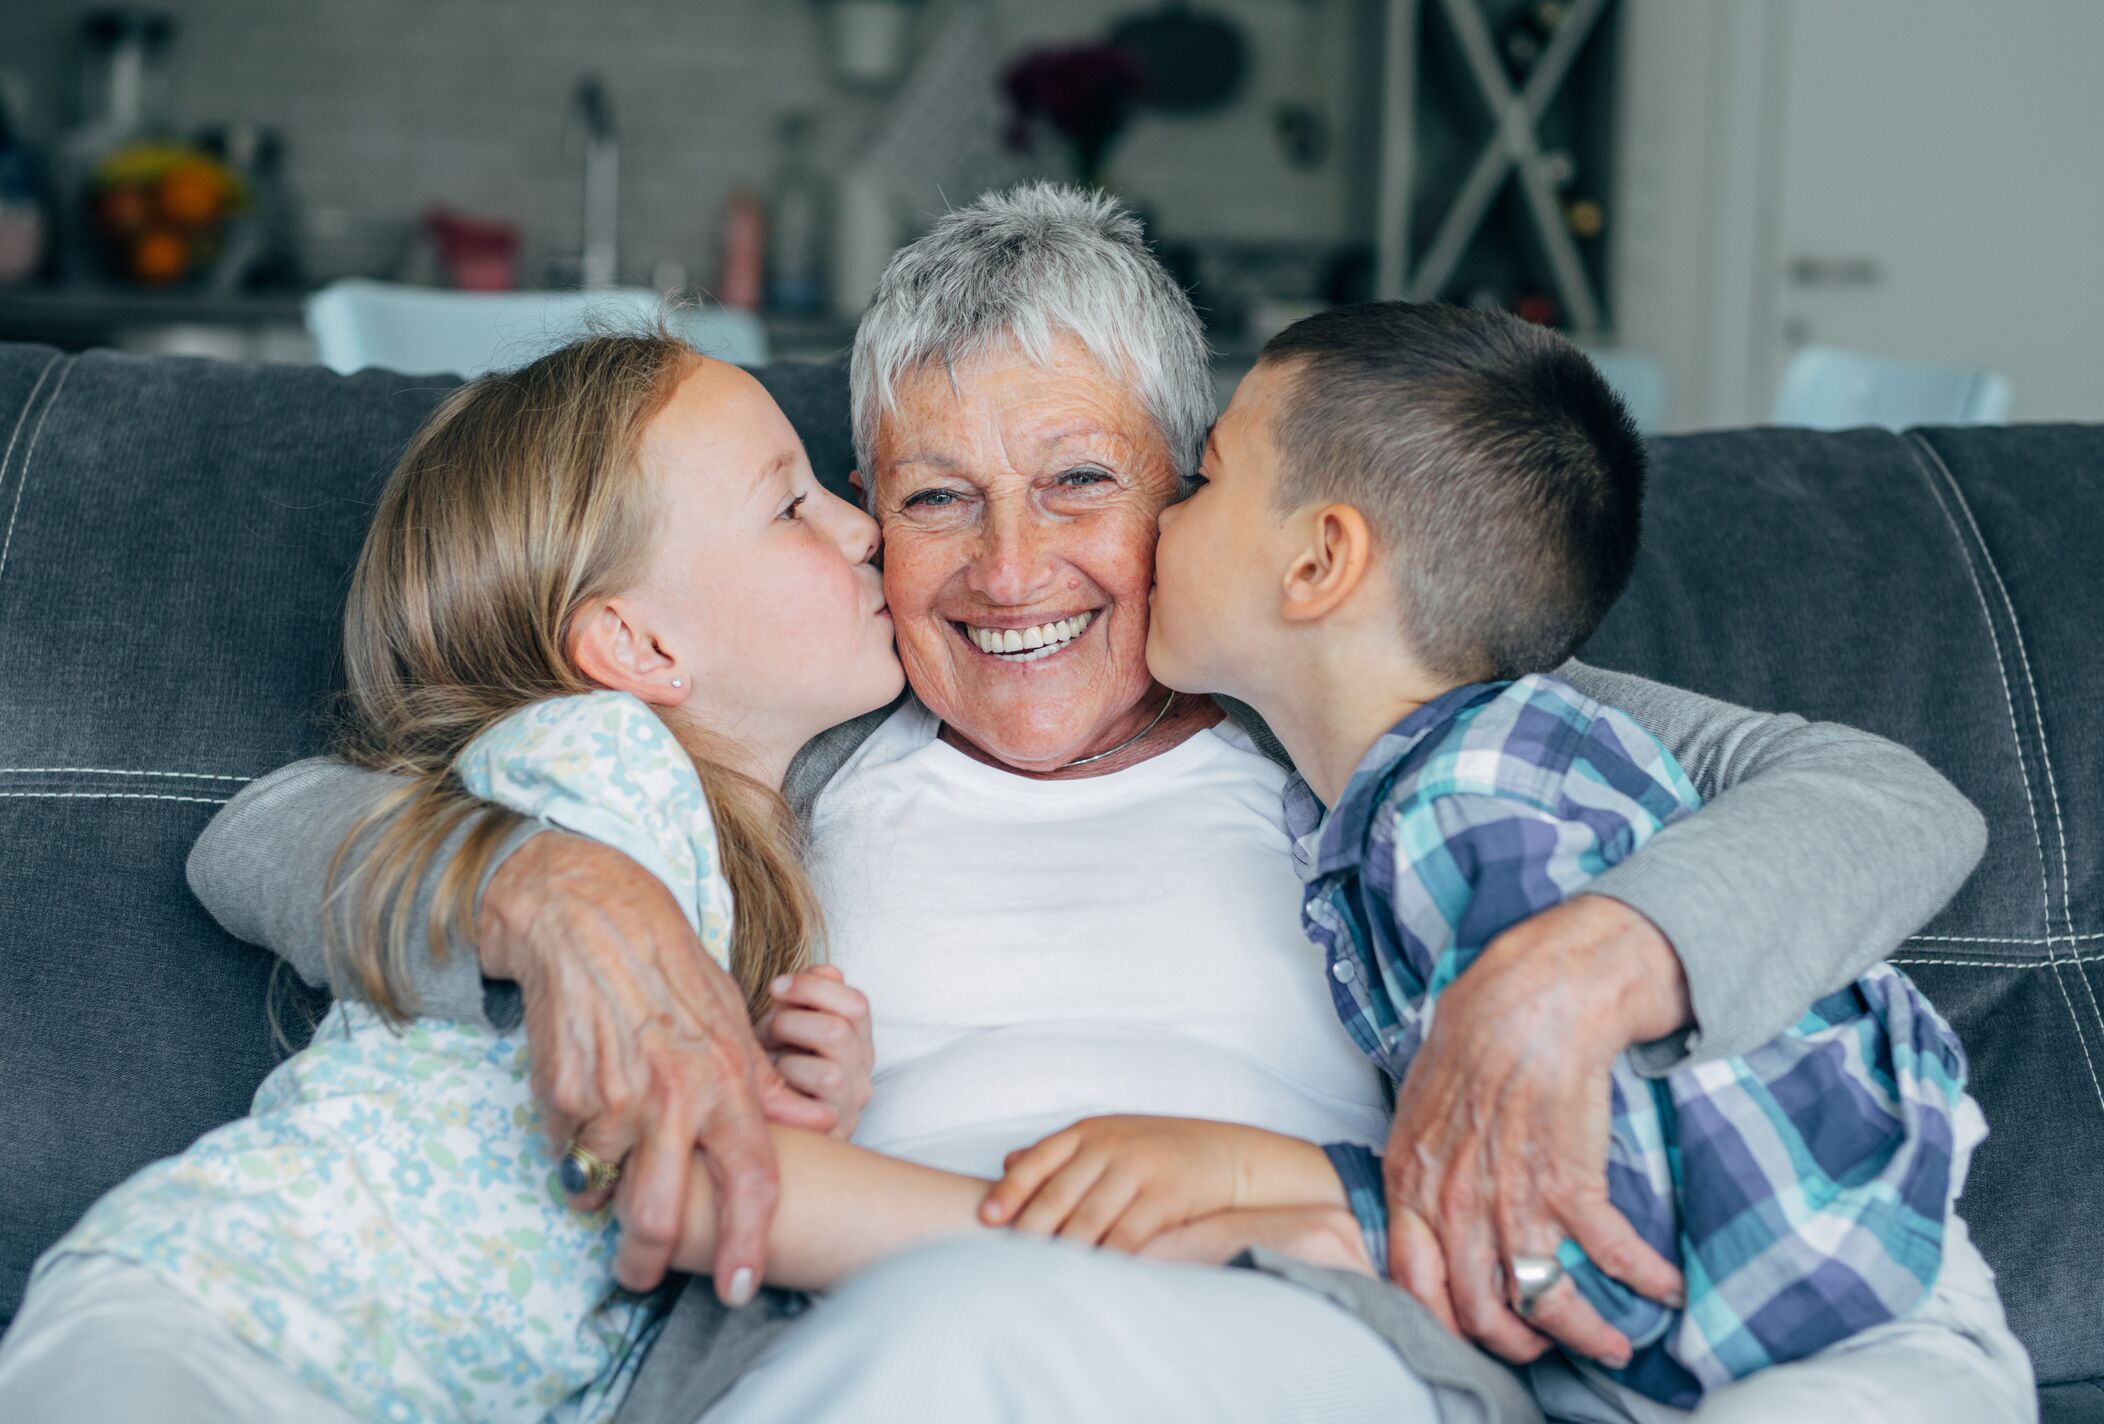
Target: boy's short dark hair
x=1485 y=449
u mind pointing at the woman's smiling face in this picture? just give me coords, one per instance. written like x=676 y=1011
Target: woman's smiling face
x=1019 y=503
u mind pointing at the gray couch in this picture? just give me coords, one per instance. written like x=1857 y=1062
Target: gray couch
x=175 y=537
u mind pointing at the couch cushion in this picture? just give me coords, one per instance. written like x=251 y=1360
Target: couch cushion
x=2074 y=1402
x=176 y=538
x=1939 y=588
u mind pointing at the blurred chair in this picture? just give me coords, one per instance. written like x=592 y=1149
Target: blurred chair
x=1828 y=389
x=357 y=323
x=1639 y=380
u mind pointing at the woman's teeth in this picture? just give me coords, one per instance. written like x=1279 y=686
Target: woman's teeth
x=1027 y=645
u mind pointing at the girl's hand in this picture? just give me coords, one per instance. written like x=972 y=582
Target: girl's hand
x=1320 y=1235
x=1118 y=1181
x=817 y=1034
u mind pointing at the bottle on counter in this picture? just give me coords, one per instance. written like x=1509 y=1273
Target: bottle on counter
x=25 y=215
x=798 y=224
x=744 y=252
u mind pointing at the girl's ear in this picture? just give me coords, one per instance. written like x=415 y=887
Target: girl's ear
x=612 y=645
x=1328 y=569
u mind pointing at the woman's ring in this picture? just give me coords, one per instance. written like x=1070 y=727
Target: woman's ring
x=584 y=1170
x=1532 y=1278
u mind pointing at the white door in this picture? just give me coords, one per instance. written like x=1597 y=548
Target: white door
x=1938 y=180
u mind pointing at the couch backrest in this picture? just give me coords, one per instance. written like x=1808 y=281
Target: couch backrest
x=1940 y=588
x=176 y=535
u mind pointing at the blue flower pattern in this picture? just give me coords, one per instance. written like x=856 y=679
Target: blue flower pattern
x=386 y=1222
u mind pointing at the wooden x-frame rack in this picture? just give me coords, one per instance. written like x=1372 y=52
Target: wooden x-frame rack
x=1513 y=150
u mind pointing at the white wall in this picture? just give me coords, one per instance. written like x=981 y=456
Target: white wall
x=1952 y=142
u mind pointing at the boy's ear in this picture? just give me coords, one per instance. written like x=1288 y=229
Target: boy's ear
x=612 y=645
x=1330 y=565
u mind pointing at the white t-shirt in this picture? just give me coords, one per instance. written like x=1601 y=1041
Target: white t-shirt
x=1040 y=951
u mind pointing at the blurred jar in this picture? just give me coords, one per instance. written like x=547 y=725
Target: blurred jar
x=798 y=223
x=25 y=218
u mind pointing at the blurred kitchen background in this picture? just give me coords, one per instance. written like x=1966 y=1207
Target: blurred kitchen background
x=1816 y=211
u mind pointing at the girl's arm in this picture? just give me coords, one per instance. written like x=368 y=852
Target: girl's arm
x=844 y=1207
x=841 y=1208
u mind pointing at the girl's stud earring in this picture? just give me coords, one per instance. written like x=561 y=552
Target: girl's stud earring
x=676 y=682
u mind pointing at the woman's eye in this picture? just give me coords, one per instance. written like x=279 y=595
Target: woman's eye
x=1086 y=476
x=929 y=499
x=789 y=509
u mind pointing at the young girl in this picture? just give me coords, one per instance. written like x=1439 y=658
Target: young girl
x=605 y=590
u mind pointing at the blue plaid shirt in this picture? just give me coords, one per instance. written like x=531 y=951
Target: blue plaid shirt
x=1803 y=1188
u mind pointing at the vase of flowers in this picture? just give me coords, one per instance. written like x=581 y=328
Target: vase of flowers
x=1084 y=93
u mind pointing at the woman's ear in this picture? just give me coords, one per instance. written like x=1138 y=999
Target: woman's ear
x=1330 y=565
x=612 y=645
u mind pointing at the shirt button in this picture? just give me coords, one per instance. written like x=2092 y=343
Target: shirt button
x=1342 y=971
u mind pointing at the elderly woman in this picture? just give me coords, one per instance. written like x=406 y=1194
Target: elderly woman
x=1065 y=891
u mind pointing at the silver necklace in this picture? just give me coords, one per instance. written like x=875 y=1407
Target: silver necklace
x=1099 y=756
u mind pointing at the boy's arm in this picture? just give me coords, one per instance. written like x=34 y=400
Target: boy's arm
x=1820 y=849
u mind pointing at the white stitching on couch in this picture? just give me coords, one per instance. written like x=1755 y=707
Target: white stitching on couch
x=1991 y=939
x=2001 y=668
x=23 y=418
x=23 y=483
x=2045 y=749
x=108 y=796
x=108 y=771
x=2001 y=963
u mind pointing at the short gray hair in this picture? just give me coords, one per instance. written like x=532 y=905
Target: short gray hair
x=1026 y=265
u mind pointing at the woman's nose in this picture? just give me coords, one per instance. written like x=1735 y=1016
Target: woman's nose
x=1011 y=565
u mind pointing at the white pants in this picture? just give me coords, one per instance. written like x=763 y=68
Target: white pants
x=101 y=1341
x=1006 y=1329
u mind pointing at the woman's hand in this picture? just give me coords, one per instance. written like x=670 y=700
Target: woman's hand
x=1320 y=1235
x=1119 y=1181
x=641 y=1049
x=817 y=1035
x=1500 y=1140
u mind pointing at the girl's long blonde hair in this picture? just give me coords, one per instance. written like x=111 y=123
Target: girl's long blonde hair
x=520 y=501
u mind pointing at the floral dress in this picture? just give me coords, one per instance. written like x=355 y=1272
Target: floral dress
x=387 y=1222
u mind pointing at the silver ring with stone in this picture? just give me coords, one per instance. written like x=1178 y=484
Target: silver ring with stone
x=1532 y=1278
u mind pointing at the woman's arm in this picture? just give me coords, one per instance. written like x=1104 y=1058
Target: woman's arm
x=1819 y=850
x=262 y=864
x=841 y=1208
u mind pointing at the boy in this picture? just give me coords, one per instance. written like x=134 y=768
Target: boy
x=1407 y=517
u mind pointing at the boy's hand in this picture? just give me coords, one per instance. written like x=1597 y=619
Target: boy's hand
x=1119 y=1181
x=817 y=1033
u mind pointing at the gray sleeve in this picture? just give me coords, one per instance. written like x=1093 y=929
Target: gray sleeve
x=261 y=865
x=1819 y=850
